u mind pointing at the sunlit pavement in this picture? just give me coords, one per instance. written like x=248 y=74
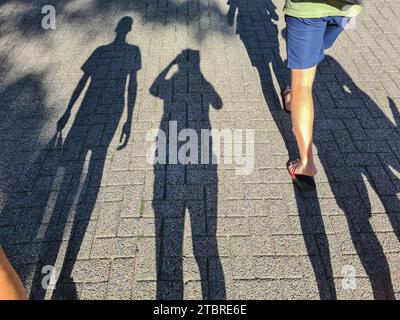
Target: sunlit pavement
x=89 y=206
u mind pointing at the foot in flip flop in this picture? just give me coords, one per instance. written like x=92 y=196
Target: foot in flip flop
x=305 y=182
x=286 y=97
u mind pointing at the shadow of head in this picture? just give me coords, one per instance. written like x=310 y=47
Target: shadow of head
x=124 y=25
x=188 y=59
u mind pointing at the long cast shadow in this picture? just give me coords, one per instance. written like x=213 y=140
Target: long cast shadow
x=186 y=184
x=24 y=113
x=259 y=34
x=375 y=164
x=64 y=182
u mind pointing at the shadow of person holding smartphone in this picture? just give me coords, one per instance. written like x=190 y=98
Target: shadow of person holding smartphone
x=186 y=179
x=358 y=168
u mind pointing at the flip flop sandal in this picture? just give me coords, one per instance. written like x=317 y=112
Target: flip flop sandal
x=305 y=183
x=283 y=96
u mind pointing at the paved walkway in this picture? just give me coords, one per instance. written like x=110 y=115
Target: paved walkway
x=110 y=222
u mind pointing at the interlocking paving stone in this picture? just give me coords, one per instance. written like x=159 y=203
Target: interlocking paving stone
x=119 y=227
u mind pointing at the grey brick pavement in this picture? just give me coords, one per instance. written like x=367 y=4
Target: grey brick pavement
x=116 y=227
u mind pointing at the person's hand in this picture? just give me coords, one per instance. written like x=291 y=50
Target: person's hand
x=63 y=121
x=125 y=135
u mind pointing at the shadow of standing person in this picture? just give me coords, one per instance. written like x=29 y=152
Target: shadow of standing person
x=256 y=26
x=182 y=182
x=375 y=166
x=111 y=69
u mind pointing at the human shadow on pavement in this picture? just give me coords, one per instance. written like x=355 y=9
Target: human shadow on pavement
x=185 y=179
x=24 y=113
x=368 y=157
x=64 y=182
x=256 y=26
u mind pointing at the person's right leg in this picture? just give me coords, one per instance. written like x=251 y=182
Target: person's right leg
x=11 y=287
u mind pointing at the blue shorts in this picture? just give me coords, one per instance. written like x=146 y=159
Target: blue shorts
x=307 y=38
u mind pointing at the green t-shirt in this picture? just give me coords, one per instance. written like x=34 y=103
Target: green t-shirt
x=320 y=8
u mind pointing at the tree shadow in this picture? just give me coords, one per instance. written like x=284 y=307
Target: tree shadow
x=189 y=13
x=255 y=24
x=368 y=155
x=60 y=189
x=186 y=184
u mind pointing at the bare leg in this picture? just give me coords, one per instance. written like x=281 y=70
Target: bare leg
x=300 y=102
x=11 y=287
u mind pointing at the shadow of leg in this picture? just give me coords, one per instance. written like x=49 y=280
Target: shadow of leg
x=205 y=246
x=84 y=209
x=317 y=243
x=54 y=229
x=368 y=249
x=169 y=255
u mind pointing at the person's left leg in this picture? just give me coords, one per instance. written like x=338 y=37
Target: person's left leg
x=11 y=287
x=302 y=109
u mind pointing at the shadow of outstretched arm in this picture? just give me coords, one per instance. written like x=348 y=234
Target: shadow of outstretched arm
x=75 y=96
x=216 y=100
x=271 y=11
x=233 y=6
x=127 y=128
